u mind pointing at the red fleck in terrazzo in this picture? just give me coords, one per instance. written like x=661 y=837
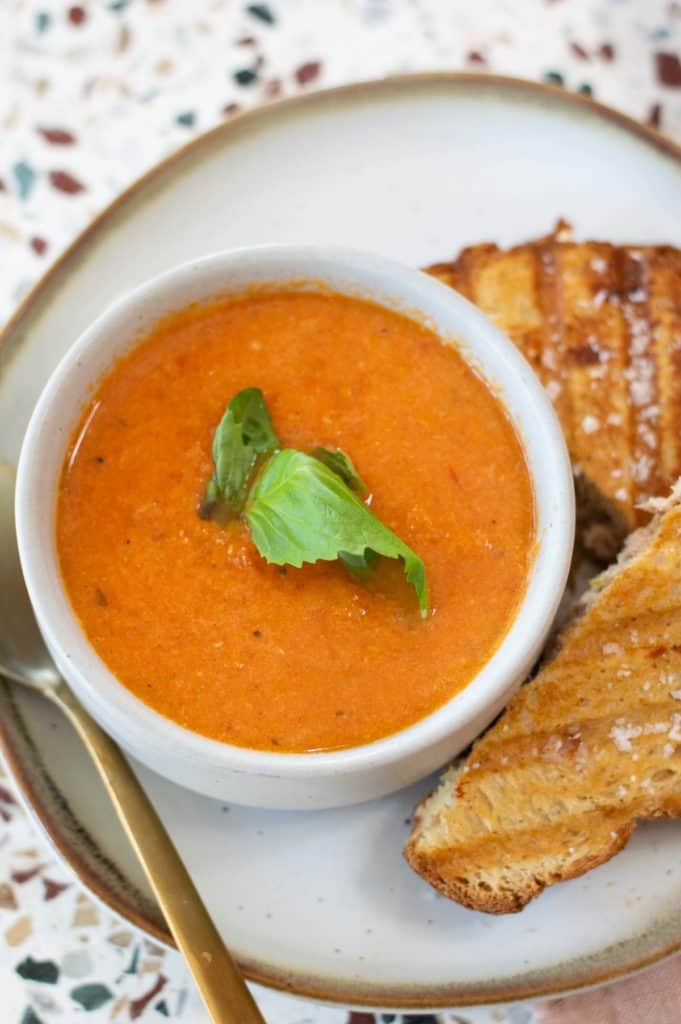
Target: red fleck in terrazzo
x=57 y=136
x=38 y=244
x=77 y=15
x=65 y=182
x=668 y=68
x=308 y=72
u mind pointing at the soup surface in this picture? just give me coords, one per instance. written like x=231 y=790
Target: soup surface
x=191 y=618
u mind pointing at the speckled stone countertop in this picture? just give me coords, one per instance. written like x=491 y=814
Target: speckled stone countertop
x=91 y=95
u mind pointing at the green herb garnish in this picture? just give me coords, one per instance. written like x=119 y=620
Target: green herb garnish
x=300 y=508
x=244 y=434
x=343 y=466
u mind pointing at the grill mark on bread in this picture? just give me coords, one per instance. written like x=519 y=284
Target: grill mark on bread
x=634 y=296
x=665 y=311
x=599 y=405
x=586 y=738
x=550 y=297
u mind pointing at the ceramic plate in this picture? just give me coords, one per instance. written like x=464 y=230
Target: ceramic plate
x=322 y=903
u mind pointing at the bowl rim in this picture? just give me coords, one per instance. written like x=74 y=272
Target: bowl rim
x=534 y=613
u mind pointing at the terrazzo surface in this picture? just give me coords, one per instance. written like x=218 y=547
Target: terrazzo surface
x=93 y=94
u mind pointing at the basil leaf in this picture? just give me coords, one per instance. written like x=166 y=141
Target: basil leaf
x=244 y=433
x=300 y=511
x=343 y=466
x=341 y=463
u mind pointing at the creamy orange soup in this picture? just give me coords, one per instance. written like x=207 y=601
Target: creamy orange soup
x=191 y=618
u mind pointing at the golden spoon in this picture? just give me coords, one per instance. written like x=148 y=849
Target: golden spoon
x=25 y=659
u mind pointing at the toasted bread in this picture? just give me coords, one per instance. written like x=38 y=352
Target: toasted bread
x=601 y=326
x=585 y=750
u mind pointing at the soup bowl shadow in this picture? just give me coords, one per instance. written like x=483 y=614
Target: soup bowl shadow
x=261 y=778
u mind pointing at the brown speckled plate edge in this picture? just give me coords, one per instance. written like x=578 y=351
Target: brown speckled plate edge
x=49 y=808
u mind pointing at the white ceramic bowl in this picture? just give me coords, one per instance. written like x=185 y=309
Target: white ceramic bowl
x=295 y=781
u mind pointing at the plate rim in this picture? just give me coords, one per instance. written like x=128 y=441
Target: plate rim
x=137 y=911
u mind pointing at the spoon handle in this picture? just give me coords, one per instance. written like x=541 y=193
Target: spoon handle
x=218 y=979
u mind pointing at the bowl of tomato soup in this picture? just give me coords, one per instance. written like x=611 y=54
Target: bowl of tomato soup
x=295 y=522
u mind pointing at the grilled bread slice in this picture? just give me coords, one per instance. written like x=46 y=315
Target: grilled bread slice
x=584 y=750
x=601 y=325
